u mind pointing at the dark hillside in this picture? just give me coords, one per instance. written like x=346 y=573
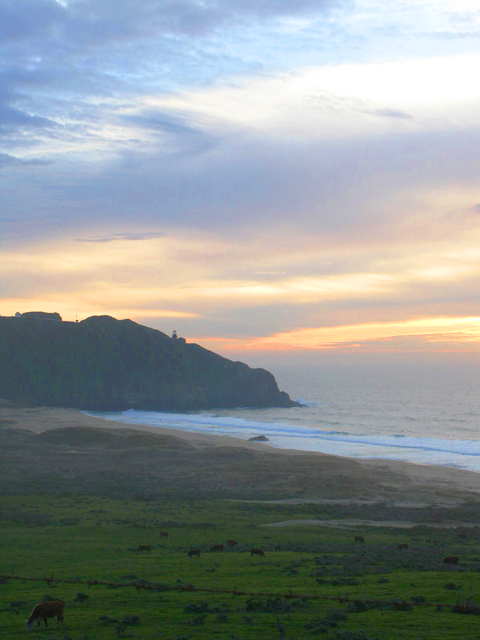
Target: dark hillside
x=111 y=365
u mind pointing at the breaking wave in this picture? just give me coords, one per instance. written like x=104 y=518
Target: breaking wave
x=424 y=450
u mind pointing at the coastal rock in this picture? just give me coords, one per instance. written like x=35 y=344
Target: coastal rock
x=104 y=364
x=258 y=439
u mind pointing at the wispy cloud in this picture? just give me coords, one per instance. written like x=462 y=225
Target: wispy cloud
x=115 y=237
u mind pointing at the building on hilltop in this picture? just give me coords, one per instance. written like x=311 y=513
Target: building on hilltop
x=177 y=339
x=40 y=315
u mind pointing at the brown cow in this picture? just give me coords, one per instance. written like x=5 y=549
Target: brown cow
x=257 y=552
x=402 y=545
x=277 y=547
x=462 y=535
x=193 y=552
x=164 y=534
x=360 y=539
x=217 y=547
x=46 y=610
x=144 y=547
x=232 y=543
x=451 y=560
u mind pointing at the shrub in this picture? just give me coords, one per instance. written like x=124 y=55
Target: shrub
x=81 y=597
x=359 y=606
x=451 y=586
x=200 y=607
x=319 y=625
x=130 y=620
x=467 y=607
x=275 y=605
x=418 y=599
x=222 y=617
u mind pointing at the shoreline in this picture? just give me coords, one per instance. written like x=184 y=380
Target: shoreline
x=405 y=478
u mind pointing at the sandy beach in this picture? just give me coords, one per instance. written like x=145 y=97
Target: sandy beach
x=294 y=474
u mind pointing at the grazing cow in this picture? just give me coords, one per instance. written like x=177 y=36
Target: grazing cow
x=462 y=535
x=217 y=547
x=164 y=534
x=46 y=610
x=257 y=552
x=360 y=539
x=144 y=547
x=277 y=547
x=402 y=545
x=451 y=560
x=193 y=552
x=232 y=543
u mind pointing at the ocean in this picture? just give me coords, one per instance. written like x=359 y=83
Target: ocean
x=426 y=414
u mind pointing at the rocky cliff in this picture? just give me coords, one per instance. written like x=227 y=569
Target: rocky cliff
x=105 y=364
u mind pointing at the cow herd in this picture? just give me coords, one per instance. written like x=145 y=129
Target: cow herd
x=215 y=548
x=55 y=608
x=404 y=546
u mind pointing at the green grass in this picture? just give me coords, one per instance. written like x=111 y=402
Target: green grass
x=95 y=538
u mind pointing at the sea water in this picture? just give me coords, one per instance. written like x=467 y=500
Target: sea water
x=426 y=414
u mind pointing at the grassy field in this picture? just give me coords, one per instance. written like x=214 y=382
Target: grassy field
x=96 y=538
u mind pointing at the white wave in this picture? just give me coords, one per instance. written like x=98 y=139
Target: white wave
x=425 y=450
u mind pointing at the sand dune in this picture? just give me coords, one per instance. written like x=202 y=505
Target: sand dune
x=227 y=467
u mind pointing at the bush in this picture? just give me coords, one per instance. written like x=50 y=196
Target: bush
x=418 y=599
x=359 y=606
x=467 y=607
x=275 y=605
x=452 y=586
x=18 y=603
x=222 y=617
x=130 y=620
x=319 y=625
x=81 y=597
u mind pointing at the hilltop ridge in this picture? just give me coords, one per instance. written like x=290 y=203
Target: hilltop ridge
x=105 y=364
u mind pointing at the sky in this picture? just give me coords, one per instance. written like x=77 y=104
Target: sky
x=265 y=177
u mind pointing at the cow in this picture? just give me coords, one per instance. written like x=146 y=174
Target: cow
x=193 y=552
x=402 y=545
x=451 y=560
x=277 y=547
x=462 y=535
x=232 y=543
x=46 y=610
x=257 y=552
x=217 y=547
x=144 y=547
x=428 y=541
x=164 y=534
x=360 y=539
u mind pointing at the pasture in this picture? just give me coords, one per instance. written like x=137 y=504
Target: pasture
x=94 y=538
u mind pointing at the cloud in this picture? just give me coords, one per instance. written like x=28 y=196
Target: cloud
x=14 y=119
x=7 y=161
x=391 y=113
x=177 y=132
x=115 y=237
